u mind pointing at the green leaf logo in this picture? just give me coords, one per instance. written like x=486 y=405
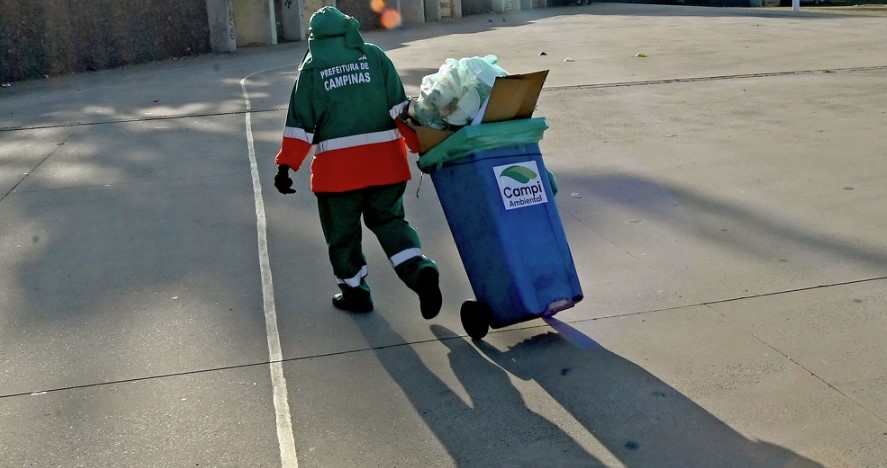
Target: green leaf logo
x=519 y=173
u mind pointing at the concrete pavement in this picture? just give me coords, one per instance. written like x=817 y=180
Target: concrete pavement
x=722 y=197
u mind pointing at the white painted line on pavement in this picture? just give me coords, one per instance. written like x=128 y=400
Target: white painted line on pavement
x=285 y=437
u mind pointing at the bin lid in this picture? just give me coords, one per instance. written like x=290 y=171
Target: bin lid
x=474 y=138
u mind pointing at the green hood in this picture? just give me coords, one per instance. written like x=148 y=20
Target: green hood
x=334 y=38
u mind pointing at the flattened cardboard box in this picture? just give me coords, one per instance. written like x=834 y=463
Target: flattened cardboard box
x=512 y=97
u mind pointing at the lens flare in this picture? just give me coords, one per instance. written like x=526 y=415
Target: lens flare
x=377 y=6
x=390 y=18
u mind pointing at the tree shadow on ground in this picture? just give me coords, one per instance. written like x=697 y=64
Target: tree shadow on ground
x=687 y=213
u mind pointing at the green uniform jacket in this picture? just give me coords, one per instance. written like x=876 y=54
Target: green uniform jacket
x=343 y=106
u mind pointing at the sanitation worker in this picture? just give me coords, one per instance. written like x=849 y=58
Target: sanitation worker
x=343 y=106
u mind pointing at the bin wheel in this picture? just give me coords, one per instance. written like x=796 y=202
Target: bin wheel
x=579 y=2
x=475 y=319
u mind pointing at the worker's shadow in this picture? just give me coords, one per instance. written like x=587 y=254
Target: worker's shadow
x=494 y=428
x=639 y=418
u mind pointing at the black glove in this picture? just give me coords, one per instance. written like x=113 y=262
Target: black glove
x=282 y=181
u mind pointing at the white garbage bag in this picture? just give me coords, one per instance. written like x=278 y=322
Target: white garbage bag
x=454 y=95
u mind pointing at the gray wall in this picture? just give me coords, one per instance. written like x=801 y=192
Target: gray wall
x=476 y=7
x=53 y=37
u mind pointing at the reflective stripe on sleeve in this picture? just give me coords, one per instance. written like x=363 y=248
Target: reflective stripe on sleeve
x=398 y=109
x=298 y=133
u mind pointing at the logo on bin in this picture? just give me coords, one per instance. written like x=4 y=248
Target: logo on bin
x=520 y=185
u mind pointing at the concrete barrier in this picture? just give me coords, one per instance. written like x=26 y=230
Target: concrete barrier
x=292 y=25
x=220 y=18
x=255 y=22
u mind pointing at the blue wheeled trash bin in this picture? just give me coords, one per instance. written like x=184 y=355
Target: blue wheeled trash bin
x=498 y=198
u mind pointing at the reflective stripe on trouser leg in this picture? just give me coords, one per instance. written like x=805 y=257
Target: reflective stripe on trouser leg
x=408 y=271
x=404 y=255
x=340 y=221
x=355 y=280
x=383 y=214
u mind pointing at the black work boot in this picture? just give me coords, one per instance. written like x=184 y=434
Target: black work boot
x=353 y=299
x=420 y=274
x=428 y=289
x=352 y=305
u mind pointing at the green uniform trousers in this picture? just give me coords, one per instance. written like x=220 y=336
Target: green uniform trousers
x=382 y=211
